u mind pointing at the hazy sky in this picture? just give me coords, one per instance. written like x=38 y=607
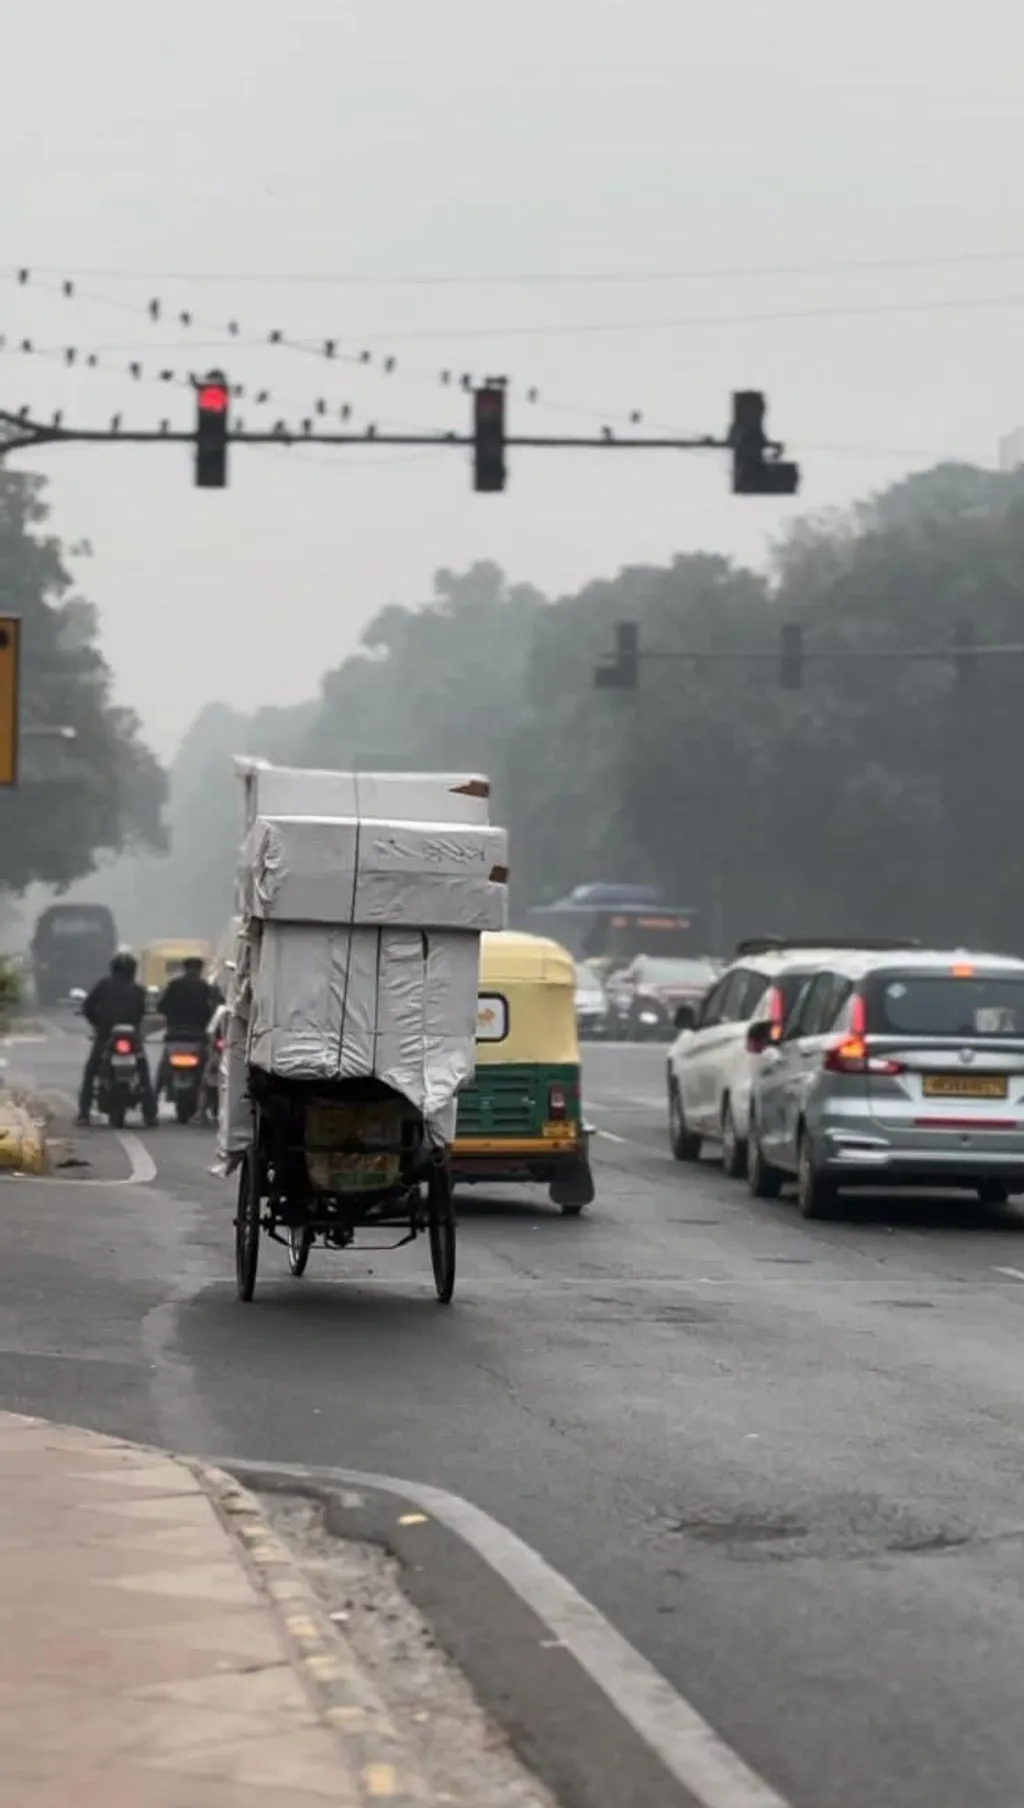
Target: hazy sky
x=366 y=142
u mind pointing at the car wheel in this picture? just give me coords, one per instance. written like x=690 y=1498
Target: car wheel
x=685 y=1145
x=815 y=1192
x=764 y=1181
x=734 y=1149
x=992 y=1192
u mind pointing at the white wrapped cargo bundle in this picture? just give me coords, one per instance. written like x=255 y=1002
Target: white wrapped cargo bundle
x=403 y=796
x=234 y=1113
x=314 y=869
x=331 y=1003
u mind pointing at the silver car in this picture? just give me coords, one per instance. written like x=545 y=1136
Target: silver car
x=592 y=1013
x=893 y=1070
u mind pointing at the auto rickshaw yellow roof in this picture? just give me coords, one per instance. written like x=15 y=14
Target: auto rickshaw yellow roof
x=510 y=954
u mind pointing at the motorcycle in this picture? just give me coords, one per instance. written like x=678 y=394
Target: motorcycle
x=118 y=1083
x=183 y=1072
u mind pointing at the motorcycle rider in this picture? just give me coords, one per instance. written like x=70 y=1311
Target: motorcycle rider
x=187 y=1003
x=115 y=999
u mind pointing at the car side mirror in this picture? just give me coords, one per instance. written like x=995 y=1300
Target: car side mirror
x=761 y=1036
x=685 y=1017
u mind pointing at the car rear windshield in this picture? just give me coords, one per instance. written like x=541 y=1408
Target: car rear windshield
x=677 y=972
x=912 y=1004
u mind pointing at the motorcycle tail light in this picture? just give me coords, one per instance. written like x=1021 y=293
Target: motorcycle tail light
x=122 y=1046
x=184 y=1060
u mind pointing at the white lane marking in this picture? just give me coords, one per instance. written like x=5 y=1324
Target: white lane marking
x=1015 y=1274
x=610 y=1136
x=689 y=1748
x=142 y=1164
x=142 y=1167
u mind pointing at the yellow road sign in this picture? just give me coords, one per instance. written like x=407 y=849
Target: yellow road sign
x=10 y=671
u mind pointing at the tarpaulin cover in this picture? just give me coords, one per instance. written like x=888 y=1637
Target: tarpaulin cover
x=313 y=869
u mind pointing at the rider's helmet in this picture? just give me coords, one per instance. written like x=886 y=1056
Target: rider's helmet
x=124 y=965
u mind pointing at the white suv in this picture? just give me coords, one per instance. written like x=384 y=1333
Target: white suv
x=710 y=1069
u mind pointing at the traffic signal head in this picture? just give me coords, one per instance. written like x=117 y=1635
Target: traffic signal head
x=620 y=672
x=757 y=469
x=212 y=402
x=965 y=655
x=791 y=656
x=10 y=652
x=489 y=437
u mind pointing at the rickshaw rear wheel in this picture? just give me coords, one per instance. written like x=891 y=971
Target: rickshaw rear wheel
x=300 y=1242
x=247 y=1226
x=441 y=1230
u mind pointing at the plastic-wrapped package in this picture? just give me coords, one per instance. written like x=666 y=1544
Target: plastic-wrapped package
x=314 y=869
x=361 y=899
x=403 y=796
x=330 y=1003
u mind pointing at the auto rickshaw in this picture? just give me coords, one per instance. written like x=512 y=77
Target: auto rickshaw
x=163 y=961
x=522 y=1118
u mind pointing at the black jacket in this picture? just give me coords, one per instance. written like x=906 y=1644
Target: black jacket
x=114 y=1001
x=188 y=1004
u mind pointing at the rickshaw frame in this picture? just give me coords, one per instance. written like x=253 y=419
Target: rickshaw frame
x=273 y=1173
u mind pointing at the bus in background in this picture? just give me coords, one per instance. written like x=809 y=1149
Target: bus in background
x=72 y=946
x=610 y=925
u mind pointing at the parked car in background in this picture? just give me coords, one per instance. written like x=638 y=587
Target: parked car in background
x=710 y=1066
x=645 y=995
x=592 y=1013
x=903 y=1070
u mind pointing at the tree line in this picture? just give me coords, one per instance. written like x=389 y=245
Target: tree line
x=102 y=791
x=880 y=798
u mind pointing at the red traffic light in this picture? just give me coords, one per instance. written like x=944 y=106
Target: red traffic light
x=213 y=398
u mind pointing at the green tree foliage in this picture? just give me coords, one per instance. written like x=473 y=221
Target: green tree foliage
x=102 y=791
x=882 y=797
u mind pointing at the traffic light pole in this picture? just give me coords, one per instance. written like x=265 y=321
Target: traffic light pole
x=33 y=433
x=758 y=467
x=619 y=670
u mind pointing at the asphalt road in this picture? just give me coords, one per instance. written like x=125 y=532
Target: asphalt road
x=784 y=1460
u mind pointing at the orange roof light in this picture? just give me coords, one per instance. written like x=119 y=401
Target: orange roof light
x=962 y=970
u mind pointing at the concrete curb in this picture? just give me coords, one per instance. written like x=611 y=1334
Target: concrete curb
x=22 y=1139
x=343 y=1692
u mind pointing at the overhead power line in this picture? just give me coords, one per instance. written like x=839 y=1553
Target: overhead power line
x=526 y=278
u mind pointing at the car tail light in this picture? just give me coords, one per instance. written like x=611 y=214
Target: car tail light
x=851 y=1056
x=219 y=1044
x=558 y=1104
x=122 y=1046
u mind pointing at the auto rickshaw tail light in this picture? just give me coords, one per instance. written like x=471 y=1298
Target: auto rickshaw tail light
x=557 y=1102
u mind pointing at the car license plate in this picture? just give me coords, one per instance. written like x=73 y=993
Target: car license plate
x=965 y=1086
x=558 y=1130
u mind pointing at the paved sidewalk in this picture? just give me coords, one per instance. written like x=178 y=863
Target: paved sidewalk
x=143 y=1662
